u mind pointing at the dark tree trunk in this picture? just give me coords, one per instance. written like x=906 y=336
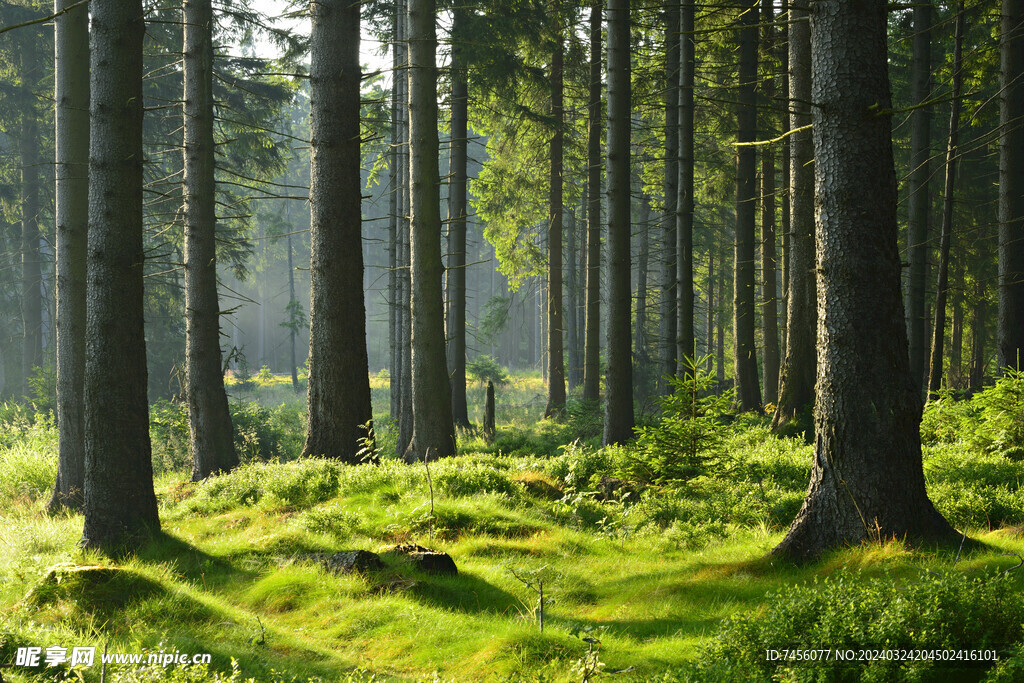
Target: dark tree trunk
x=640 y=355
x=433 y=430
x=952 y=151
x=1010 y=326
x=71 y=94
x=555 y=326
x=769 y=303
x=782 y=101
x=720 y=328
x=618 y=413
x=917 y=191
x=867 y=479
x=405 y=299
x=120 y=506
x=339 y=387
x=956 y=340
x=748 y=390
x=31 y=267
x=592 y=321
x=489 y=428
x=212 y=440
x=979 y=320
x=669 y=299
x=572 y=287
x=684 y=188
x=394 y=205
x=709 y=342
x=796 y=387
x=457 y=224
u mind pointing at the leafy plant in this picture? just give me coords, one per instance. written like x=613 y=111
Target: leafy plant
x=688 y=435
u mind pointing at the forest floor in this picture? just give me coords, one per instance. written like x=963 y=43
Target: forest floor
x=661 y=581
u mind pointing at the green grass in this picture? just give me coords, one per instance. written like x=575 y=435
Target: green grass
x=658 y=573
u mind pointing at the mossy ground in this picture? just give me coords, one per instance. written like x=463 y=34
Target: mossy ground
x=653 y=575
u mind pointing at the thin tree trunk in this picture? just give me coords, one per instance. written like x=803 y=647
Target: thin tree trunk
x=592 y=332
x=71 y=94
x=684 y=188
x=976 y=377
x=433 y=429
x=556 y=363
x=120 y=505
x=457 y=223
x=394 y=230
x=292 y=304
x=867 y=480
x=720 y=328
x=669 y=299
x=769 y=303
x=618 y=414
x=709 y=345
x=31 y=267
x=210 y=431
x=572 y=286
x=782 y=100
x=748 y=390
x=1010 y=325
x=952 y=151
x=917 y=191
x=796 y=392
x=405 y=301
x=956 y=342
x=643 y=262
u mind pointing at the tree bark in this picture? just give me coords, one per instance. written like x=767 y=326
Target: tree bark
x=796 y=392
x=339 y=387
x=433 y=430
x=684 y=189
x=1010 y=326
x=867 y=480
x=748 y=390
x=917 y=191
x=618 y=413
x=555 y=327
x=640 y=356
x=457 y=222
x=592 y=322
x=669 y=299
x=952 y=152
x=120 y=505
x=71 y=94
x=210 y=431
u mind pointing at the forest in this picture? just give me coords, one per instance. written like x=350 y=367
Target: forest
x=511 y=340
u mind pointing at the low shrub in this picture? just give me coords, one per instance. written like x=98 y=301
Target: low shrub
x=853 y=611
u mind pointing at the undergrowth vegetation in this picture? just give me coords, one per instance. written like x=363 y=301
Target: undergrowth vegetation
x=653 y=555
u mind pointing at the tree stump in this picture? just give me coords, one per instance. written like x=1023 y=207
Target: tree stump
x=489 y=430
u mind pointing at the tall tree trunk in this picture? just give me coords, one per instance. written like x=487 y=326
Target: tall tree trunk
x=71 y=115
x=720 y=328
x=433 y=430
x=556 y=362
x=796 y=388
x=782 y=101
x=669 y=299
x=952 y=151
x=292 y=306
x=640 y=355
x=618 y=413
x=394 y=229
x=956 y=341
x=31 y=267
x=405 y=294
x=592 y=322
x=210 y=431
x=917 y=191
x=1010 y=326
x=339 y=385
x=748 y=391
x=867 y=479
x=572 y=286
x=709 y=344
x=976 y=373
x=769 y=303
x=457 y=223
x=120 y=505
x=684 y=187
